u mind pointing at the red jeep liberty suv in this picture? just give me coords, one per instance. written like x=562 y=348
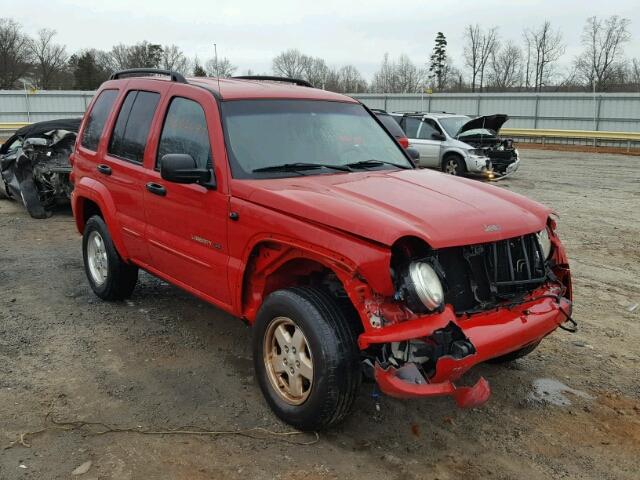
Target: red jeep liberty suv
x=295 y=209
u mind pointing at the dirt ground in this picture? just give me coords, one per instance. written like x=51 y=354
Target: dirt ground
x=165 y=360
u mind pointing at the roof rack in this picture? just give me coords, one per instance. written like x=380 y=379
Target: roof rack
x=268 y=78
x=175 y=76
x=409 y=112
x=378 y=110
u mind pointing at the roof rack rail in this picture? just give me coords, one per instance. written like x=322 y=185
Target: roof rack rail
x=410 y=112
x=175 y=76
x=296 y=81
x=378 y=110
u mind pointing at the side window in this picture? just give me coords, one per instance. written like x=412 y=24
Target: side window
x=129 y=137
x=97 y=118
x=411 y=125
x=185 y=131
x=426 y=130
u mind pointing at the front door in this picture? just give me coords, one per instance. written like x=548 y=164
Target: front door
x=419 y=139
x=187 y=223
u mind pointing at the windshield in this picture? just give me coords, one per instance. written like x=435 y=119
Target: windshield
x=294 y=133
x=453 y=124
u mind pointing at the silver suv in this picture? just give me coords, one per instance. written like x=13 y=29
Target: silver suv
x=458 y=144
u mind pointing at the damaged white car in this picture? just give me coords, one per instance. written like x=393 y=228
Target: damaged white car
x=34 y=165
x=458 y=144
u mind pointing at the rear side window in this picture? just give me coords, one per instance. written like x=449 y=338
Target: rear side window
x=129 y=137
x=97 y=118
x=392 y=125
x=185 y=131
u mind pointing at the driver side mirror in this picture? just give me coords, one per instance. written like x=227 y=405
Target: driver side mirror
x=413 y=154
x=438 y=136
x=182 y=168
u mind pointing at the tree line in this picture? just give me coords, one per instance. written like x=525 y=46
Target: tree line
x=489 y=63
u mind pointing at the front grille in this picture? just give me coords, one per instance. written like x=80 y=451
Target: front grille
x=476 y=277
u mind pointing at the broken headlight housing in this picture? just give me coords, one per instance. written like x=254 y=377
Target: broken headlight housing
x=422 y=287
x=477 y=152
x=545 y=242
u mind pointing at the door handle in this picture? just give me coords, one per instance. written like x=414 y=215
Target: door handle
x=104 y=169
x=156 y=189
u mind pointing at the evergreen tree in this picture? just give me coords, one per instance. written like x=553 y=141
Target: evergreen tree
x=438 y=62
x=87 y=70
x=198 y=70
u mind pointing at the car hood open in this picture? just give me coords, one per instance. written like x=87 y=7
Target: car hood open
x=383 y=206
x=489 y=122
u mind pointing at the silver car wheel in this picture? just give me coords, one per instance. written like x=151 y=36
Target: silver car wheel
x=97 y=258
x=451 y=167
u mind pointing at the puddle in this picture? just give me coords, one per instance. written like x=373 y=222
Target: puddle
x=553 y=391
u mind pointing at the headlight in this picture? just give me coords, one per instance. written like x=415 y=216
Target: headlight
x=425 y=285
x=478 y=152
x=545 y=242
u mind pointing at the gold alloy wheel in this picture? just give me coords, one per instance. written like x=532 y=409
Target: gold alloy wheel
x=288 y=360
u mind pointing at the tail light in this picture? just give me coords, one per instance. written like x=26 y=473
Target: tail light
x=404 y=141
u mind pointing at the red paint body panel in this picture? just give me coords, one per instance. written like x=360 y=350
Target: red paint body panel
x=288 y=228
x=465 y=397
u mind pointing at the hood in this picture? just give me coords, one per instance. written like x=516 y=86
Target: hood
x=383 y=206
x=490 y=122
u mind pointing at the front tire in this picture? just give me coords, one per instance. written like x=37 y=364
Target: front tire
x=453 y=165
x=306 y=357
x=109 y=276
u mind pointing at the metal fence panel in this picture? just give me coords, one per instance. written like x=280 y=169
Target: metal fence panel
x=566 y=111
x=25 y=106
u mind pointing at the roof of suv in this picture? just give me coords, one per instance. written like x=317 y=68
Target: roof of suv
x=235 y=89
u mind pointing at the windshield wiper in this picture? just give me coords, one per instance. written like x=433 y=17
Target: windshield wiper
x=374 y=163
x=292 y=167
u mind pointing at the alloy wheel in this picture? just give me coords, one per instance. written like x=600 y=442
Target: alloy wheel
x=288 y=360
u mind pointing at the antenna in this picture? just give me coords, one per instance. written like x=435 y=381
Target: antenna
x=215 y=50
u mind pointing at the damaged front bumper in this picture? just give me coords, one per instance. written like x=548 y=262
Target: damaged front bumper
x=490 y=334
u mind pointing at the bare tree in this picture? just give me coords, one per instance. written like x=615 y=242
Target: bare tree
x=544 y=48
x=291 y=63
x=401 y=76
x=316 y=71
x=140 y=55
x=350 y=80
x=174 y=59
x=49 y=58
x=634 y=74
x=410 y=78
x=477 y=51
x=384 y=79
x=506 y=67
x=223 y=68
x=603 y=41
x=14 y=53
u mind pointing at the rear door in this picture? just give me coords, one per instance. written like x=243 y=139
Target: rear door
x=122 y=168
x=187 y=224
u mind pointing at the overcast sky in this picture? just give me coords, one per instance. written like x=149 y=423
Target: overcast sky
x=251 y=32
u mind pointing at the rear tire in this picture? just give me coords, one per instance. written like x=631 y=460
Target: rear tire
x=510 y=357
x=330 y=348
x=109 y=276
x=453 y=165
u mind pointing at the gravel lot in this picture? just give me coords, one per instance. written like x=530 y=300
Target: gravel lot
x=164 y=360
